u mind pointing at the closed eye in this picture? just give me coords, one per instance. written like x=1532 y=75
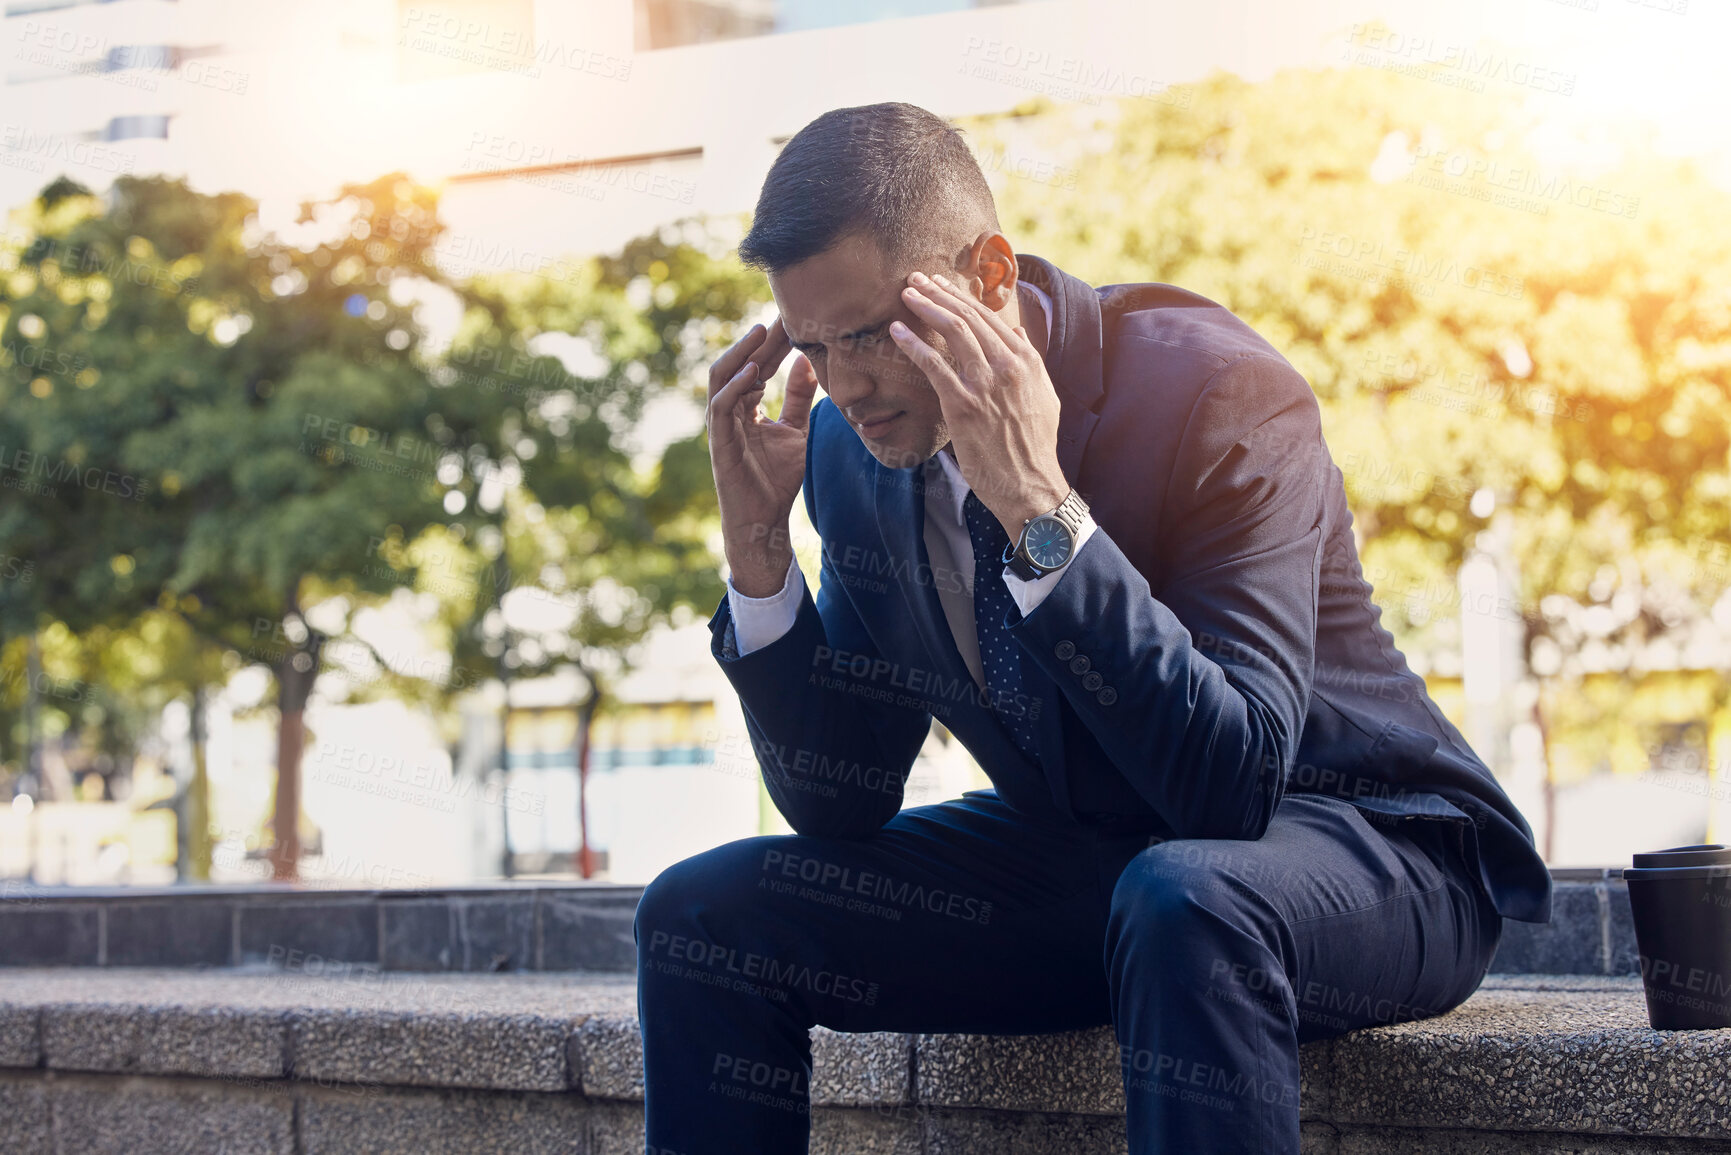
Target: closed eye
x=869 y=339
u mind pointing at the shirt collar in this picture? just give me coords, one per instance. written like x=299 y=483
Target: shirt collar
x=1045 y=306
x=957 y=485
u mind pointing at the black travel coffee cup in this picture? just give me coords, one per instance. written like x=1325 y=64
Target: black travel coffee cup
x=1681 y=899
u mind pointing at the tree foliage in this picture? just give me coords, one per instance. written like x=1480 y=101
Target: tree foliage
x=252 y=441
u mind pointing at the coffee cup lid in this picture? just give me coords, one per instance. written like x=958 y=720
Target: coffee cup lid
x=1700 y=854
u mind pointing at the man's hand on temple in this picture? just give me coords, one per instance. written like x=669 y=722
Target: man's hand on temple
x=758 y=464
x=1000 y=405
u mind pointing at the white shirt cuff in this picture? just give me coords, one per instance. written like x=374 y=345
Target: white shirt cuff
x=1029 y=594
x=759 y=621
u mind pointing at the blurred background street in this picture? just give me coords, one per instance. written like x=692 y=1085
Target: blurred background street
x=356 y=520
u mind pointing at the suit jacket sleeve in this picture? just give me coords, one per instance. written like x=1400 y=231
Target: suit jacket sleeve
x=1199 y=695
x=822 y=709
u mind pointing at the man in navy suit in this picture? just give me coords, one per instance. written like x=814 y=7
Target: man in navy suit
x=1098 y=535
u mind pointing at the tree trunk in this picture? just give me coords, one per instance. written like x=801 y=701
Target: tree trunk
x=295 y=676
x=585 y=722
x=198 y=795
x=33 y=722
x=507 y=866
x=33 y=753
x=1549 y=849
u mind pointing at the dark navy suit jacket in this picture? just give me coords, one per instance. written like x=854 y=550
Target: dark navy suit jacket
x=1212 y=647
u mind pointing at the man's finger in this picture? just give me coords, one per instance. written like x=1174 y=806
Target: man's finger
x=776 y=344
x=727 y=365
x=801 y=392
x=993 y=348
x=727 y=401
x=956 y=331
x=977 y=308
x=926 y=359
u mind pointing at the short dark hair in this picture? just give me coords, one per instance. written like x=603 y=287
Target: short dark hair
x=893 y=172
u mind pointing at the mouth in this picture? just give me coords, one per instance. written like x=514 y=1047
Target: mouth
x=876 y=428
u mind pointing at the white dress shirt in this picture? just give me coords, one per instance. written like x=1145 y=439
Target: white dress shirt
x=759 y=621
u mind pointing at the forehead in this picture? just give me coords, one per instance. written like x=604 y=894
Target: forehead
x=849 y=287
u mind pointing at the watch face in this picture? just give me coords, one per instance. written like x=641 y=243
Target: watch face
x=1049 y=542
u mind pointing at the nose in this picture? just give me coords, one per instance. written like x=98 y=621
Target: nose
x=847 y=382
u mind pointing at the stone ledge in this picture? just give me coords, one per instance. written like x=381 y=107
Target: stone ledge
x=521 y=927
x=51 y=1113
x=1540 y=1057
x=1565 y=1056
x=530 y=927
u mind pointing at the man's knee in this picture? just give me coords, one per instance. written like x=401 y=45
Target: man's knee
x=705 y=884
x=1174 y=887
x=719 y=889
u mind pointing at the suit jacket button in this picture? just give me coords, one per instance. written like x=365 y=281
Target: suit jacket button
x=1093 y=681
x=1064 y=651
x=1079 y=664
x=1106 y=696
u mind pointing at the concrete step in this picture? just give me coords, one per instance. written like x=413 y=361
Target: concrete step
x=350 y=1059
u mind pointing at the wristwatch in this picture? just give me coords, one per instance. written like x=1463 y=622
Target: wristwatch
x=1047 y=541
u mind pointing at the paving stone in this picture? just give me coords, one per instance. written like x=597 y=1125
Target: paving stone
x=617 y=1129
x=20 y=1037
x=427 y=1122
x=24 y=1124
x=1571 y=943
x=43 y=933
x=847 y=1069
x=1402 y=1141
x=1581 y=1061
x=420 y=935
x=190 y=931
x=214 y=1041
x=1625 y=955
x=588 y=932
x=883 y=1131
x=1077 y=1071
x=284 y=932
x=497 y=933
x=522 y=1052
x=1315 y=1092
x=1022 y=1133
x=1316 y=1138
x=853 y=1070
x=607 y=1057
x=141 y=1115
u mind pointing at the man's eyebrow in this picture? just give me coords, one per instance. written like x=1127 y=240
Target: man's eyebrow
x=862 y=331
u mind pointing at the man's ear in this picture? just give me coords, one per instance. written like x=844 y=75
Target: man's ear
x=993 y=270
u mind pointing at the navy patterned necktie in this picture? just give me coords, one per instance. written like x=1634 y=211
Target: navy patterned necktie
x=998 y=657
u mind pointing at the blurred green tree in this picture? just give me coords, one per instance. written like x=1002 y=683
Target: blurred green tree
x=257 y=436
x=206 y=420
x=597 y=502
